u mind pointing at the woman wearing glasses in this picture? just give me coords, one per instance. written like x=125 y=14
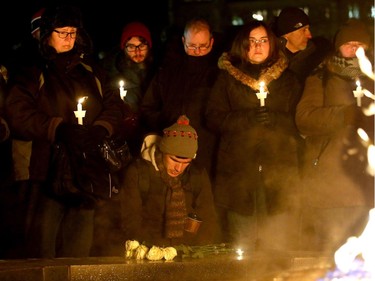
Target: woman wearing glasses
x=41 y=109
x=252 y=107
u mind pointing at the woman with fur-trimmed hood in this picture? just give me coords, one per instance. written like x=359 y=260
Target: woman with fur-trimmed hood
x=257 y=170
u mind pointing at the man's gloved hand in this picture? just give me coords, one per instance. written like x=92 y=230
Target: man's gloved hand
x=72 y=135
x=263 y=116
x=96 y=135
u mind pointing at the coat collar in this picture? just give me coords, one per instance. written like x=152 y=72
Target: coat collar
x=267 y=75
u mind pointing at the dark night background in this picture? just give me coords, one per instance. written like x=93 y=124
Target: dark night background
x=103 y=19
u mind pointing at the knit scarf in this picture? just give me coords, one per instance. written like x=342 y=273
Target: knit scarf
x=346 y=67
x=175 y=209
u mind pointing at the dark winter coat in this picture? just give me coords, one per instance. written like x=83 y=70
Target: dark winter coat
x=44 y=95
x=253 y=156
x=136 y=76
x=302 y=63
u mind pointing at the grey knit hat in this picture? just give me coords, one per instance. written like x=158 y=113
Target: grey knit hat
x=291 y=19
x=352 y=30
x=180 y=139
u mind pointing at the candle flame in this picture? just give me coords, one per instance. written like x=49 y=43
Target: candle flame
x=354 y=246
x=369 y=94
x=360 y=53
x=371 y=160
x=363 y=135
x=81 y=100
x=370 y=110
x=364 y=63
x=121 y=83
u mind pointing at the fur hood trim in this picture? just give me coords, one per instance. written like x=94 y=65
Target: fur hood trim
x=267 y=75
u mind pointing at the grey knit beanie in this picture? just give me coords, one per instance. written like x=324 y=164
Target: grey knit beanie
x=180 y=139
x=352 y=30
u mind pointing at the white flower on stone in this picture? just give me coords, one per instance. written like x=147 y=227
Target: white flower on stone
x=155 y=253
x=140 y=252
x=169 y=253
x=130 y=247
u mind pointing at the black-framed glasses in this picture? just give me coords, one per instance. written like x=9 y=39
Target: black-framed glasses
x=254 y=42
x=132 y=48
x=64 y=34
x=200 y=48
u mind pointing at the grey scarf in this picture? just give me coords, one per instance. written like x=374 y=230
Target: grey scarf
x=346 y=67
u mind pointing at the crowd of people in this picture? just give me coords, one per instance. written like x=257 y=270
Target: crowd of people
x=255 y=139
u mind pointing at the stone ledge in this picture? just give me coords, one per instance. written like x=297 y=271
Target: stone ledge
x=223 y=267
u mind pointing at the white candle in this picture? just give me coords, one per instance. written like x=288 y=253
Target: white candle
x=122 y=90
x=358 y=93
x=79 y=113
x=262 y=95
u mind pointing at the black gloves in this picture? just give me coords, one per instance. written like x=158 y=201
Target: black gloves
x=264 y=117
x=96 y=135
x=79 y=137
x=72 y=135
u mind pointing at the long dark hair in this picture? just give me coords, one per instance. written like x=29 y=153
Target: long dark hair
x=241 y=43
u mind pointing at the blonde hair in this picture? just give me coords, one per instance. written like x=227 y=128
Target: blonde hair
x=196 y=25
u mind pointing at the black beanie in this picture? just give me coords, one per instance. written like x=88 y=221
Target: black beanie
x=290 y=19
x=60 y=16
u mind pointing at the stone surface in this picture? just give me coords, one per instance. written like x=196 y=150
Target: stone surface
x=222 y=267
